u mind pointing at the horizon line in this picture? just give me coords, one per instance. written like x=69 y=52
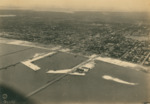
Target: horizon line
x=65 y=10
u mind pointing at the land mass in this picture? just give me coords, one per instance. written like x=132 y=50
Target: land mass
x=110 y=34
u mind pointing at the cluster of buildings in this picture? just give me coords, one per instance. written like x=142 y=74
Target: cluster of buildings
x=117 y=45
x=90 y=37
x=146 y=62
x=137 y=53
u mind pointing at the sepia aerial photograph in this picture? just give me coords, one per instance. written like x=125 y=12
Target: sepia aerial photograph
x=74 y=51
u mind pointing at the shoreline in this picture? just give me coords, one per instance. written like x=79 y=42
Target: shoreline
x=110 y=60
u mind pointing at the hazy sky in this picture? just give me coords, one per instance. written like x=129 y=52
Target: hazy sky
x=106 y=5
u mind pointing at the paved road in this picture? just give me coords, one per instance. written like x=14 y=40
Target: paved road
x=106 y=83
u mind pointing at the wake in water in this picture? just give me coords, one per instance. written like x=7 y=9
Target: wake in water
x=107 y=77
